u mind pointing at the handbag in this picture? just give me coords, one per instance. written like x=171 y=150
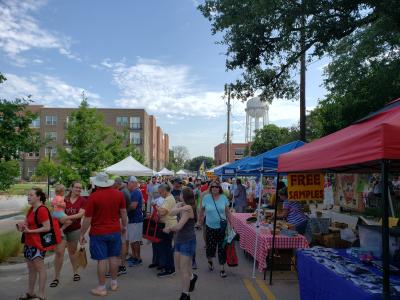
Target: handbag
x=223 y=223
x=152 y=228
x=47 y=239
x=231 y=257
x=81 y=258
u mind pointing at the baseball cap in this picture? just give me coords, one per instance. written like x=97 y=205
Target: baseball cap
x=132 y=179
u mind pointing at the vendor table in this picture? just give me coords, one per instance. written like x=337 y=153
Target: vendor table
x=318 y=282
x=247 y=234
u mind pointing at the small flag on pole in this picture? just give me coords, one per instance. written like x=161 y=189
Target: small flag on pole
x=202 y=168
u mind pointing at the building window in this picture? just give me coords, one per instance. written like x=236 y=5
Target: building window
x=135 y=123
x=35 y=123
x=32 y=155
x=30 y=172
x=135 y=138
x=239 y=151
x=52 y=151
x=51 y=136
x=51 y=120
x=122 y=121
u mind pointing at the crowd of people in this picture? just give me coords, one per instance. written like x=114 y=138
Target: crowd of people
x=111 y=220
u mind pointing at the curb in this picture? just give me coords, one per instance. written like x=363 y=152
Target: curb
x=22 y=268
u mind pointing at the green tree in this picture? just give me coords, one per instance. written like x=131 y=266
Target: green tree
x=360 y=79
x=56 y=172
x=179 y=157
x=9 y=170
x=93 y=145
x=16 y=137
x=171 y=164
x=266 y=39
x=194 y=163
x=272 y=136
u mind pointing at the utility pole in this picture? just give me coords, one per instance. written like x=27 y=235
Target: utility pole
x=303 y=78
x=228 y=125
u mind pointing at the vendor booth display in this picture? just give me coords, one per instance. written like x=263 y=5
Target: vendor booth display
x=370 y=145
x=247 y=230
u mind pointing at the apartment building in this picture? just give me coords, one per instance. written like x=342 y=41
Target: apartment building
x=144 y=133
x=236 y=152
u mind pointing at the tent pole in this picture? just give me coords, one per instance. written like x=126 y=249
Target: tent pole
x=385 y=229
x=271 y=261
x=257 y=227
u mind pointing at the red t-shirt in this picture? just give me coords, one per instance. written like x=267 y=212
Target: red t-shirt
x=204 y=187
x=33 y=239
x=103 y=206
x=73 y=209
x=143 y=189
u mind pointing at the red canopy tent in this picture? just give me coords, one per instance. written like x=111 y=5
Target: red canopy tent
x=370 y=145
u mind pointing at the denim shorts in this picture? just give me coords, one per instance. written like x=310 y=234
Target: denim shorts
x=186 y=248
x=105 y=245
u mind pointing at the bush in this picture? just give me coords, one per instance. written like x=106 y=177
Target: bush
x=10 y=245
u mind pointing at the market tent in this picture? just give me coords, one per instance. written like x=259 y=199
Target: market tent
x=370 y=145
x=165 y=172
x=357 y=148
x=212 y=170
x=267 y=162
x=231 y=169
x=128 y=167
x=181 y=173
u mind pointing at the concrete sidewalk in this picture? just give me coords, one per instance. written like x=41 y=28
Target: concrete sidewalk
x=142 y=283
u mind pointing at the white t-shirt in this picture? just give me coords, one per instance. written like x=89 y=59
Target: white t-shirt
x=226 y=187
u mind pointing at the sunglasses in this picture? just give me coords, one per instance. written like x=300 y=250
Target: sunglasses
x=214 y=186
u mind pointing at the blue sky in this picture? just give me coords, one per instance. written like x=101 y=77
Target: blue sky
x=154 y=54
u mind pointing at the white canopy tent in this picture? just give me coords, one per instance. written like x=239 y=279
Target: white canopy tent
x=181 y=173
x=128 y=167
x=165 y=172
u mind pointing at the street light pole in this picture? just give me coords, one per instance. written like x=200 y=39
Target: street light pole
x=48 y=175
x=228 y=148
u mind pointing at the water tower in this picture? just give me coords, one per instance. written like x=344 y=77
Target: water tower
x=256 y=116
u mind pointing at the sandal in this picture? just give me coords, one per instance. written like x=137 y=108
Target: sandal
x=77 y=277
x=54 y=283
x=222 y=273
x=210 y=266
x=27 y=296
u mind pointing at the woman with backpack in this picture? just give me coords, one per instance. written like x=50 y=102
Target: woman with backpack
x=185 y=240
x=40 y=234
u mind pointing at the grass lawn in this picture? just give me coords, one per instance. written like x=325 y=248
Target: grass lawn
x=10 y=245
x=23 y=188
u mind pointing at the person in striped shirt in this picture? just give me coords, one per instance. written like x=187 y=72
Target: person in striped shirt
x=293 y=212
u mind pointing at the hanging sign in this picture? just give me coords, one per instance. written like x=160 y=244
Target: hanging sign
x=305 y=186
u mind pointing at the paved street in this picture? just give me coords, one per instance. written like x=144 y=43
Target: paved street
x=142 y=283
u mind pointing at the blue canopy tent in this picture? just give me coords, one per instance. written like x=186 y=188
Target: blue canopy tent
x=267 y=162
x=231 y=169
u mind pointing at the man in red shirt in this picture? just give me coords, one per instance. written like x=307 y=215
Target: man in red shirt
x=103 y=211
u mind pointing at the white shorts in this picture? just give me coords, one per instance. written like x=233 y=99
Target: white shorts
x=134 y=232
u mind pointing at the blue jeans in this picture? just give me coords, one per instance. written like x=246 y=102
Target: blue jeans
x=105 y=245
x=165 y=253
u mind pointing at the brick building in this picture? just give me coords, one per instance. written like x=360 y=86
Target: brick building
x=236 y=152
x=144 y=133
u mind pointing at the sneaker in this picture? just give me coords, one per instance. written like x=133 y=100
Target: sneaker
x=166 y=274
x=184 y=296
x=135 y=263
x=121 y=270
x=99 y=292
x=152 y=266
x=130 y=258
x=108 y=275
x=193 y=283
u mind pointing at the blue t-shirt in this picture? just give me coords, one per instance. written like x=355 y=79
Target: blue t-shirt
x=136 y=216
x=212 y=217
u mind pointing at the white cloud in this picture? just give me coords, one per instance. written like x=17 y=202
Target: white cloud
x=163 y=89
x=46 y=90
x=20 y=31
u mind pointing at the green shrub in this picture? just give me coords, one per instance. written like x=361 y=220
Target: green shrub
x=10 y=245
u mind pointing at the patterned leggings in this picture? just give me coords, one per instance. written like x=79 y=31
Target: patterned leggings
x=215 y=238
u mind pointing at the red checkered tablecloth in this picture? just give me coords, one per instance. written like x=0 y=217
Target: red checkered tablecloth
x=247 y=234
